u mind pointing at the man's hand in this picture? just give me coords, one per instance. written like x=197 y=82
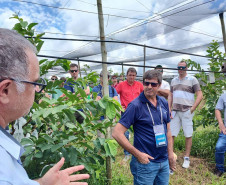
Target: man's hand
x=172 y=162
x=143 y=158
x=98 y=98
x=192 y=110
x=223 y=129
x=55 y=176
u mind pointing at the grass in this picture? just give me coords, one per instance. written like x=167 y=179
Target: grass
x=200 y=171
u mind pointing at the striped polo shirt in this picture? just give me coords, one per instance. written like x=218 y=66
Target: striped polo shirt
x=183 y=92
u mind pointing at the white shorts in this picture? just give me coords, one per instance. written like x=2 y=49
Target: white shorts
x=183 y=119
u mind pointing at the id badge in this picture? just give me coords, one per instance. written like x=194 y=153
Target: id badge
x=160 y=136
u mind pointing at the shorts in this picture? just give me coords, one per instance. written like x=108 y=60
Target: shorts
x=183 y=119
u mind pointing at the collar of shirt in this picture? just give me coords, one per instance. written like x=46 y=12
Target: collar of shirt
x=178 y=77
x=145 y=100
x=130 y=84
x=10 y=144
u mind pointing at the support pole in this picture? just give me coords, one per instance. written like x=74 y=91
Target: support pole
x=221 y=15
x=123 y=72
x=79 y=68
x=105 y=79
x=144 y=59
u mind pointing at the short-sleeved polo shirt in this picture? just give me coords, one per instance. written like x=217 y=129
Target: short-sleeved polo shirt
x=183 y=92
x=11 y=169
x=129 y=92
x=138 y=116
x=221 y=105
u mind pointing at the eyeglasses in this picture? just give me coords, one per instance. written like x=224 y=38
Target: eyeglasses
x=73 y=71
x=39 y=85
x=152 y=84
x=181 y=67
x=53 y=79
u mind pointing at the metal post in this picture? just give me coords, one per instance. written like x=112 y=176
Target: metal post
x=79 y=68
x=144 y=59
x=105 y=79
x=221 y=15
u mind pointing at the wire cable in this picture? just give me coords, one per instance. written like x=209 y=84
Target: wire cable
x=73 y=9
x=131 y=43
x=100 y=62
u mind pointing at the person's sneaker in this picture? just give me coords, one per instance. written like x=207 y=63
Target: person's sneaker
x=171 y=172
x=126 y=158
x=186 y=163
x=218 y=172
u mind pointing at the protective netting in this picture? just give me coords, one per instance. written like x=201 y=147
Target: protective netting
x=179 y=18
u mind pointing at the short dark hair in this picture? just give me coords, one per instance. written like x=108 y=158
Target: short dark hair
x=151 y=74
x=132 y=70
x=54 y=77
x=158 y=66
x=183 y=61
x=63 y=79
x=73 y=65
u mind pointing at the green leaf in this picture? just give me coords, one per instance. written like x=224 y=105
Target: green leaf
x=28 y=150
x=26 y=141
x=39 y=154
x=82 y=92
x=73 y=156
x=56 y=147
x=27 y=160
x=46 y=147
x=23 y=23
x=101 y=104
x=110 y=111
x=112 y=144
x=48 y=138
x=30 y=26
x=107 y=149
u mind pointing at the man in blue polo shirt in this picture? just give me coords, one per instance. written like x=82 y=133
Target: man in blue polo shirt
x=153 y=150
x=69 y=85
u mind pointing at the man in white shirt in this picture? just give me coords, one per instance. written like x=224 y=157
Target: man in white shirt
x=19 y=80
x=164 y=89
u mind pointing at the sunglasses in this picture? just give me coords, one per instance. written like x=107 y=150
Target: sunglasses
x=73 y=71
x=160 y=70
x=152 y=84
x=53 y=79
x=181 y=67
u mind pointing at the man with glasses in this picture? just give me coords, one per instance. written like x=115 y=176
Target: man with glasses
x=183 y=104
x=69 y=85
x=164 y=89
x=152 y=150
x=221 y=143
x=19 y=80
x=74 y=71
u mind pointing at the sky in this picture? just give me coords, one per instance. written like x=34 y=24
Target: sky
x=150 y=22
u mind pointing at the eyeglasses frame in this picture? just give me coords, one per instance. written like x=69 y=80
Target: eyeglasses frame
x=33 y=83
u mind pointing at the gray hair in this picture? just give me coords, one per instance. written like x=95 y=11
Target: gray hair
x=13 y=57
x=153 y=74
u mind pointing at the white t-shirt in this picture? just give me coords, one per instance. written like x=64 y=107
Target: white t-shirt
x=165 y=85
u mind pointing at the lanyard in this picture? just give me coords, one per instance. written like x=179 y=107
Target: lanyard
x=152 y=116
